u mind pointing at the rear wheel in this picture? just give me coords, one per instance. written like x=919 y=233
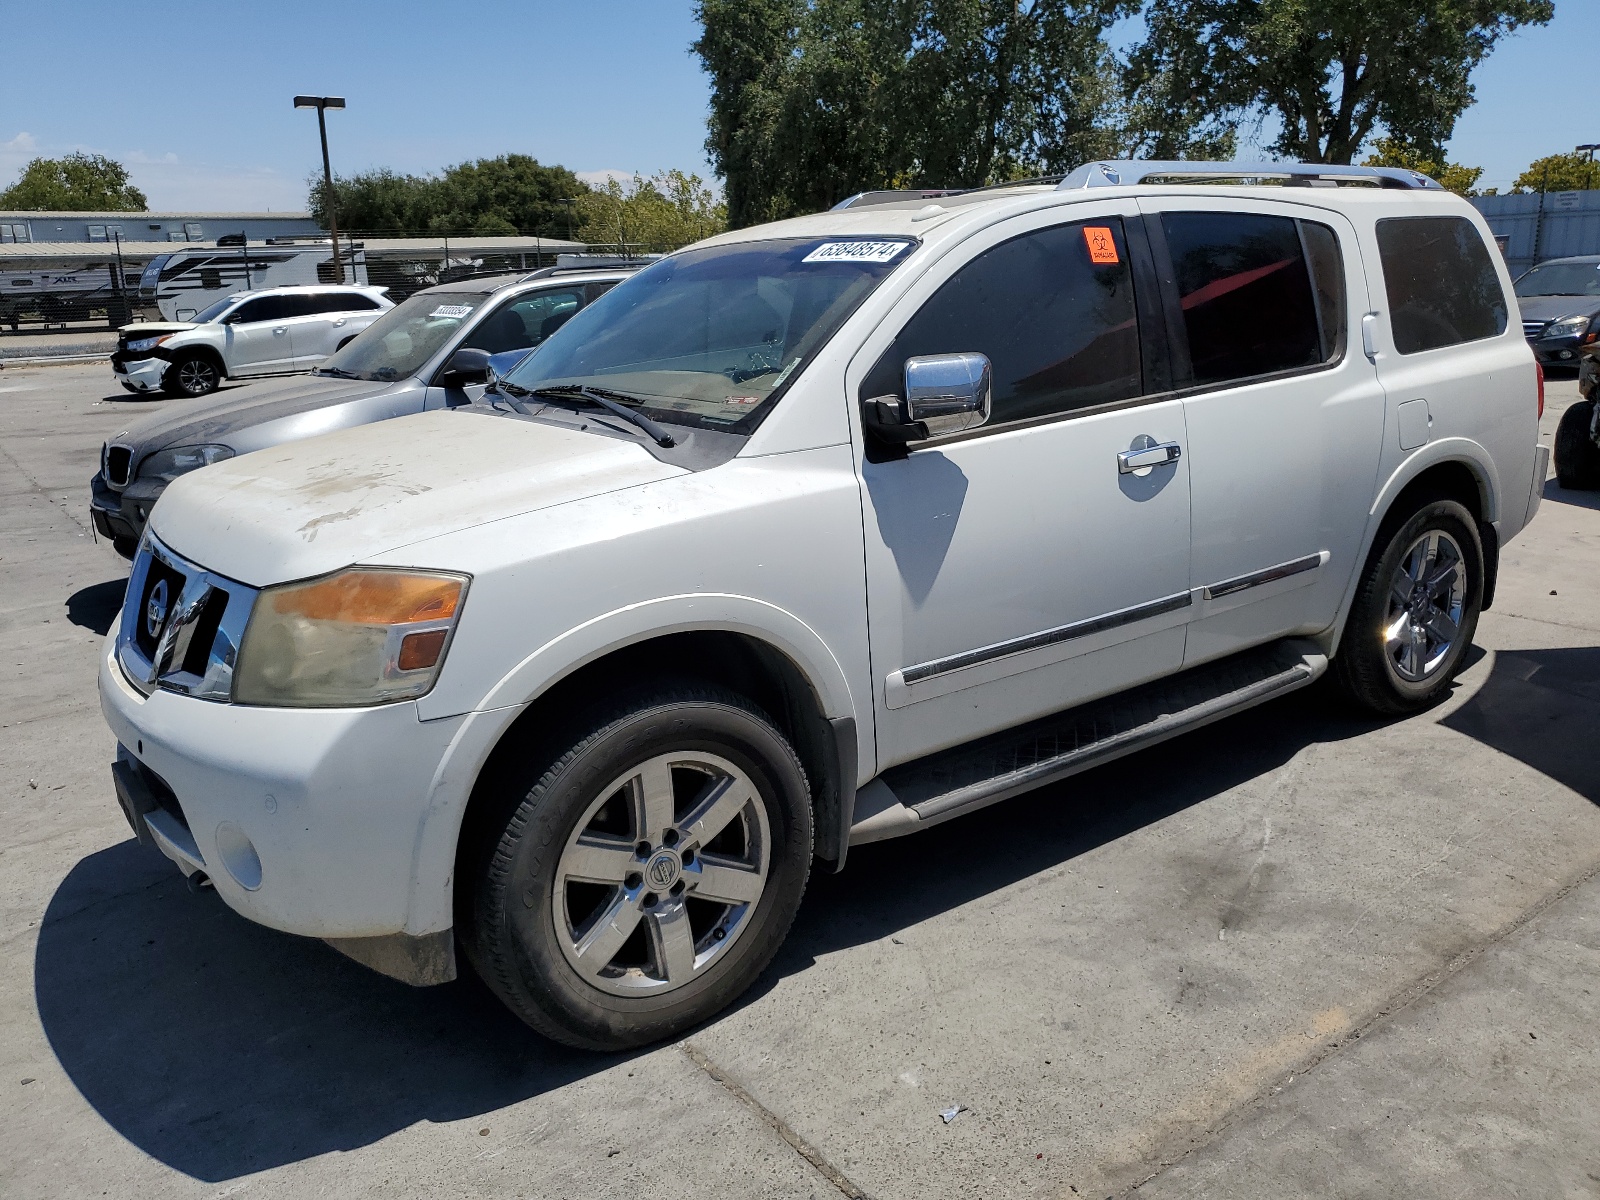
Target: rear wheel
x=1577 y=457
x=191 y=375
x=1415 y=611
x=634 y=883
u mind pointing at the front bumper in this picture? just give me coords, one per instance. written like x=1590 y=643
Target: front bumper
x=140 y=374
x=305 y=820
x=122 y=514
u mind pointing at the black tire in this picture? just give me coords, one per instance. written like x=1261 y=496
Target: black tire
x=1577 y=457
x=125 y=545
x=1373 y=671
x=345 y=342
x=519 y=934
x=191 y=375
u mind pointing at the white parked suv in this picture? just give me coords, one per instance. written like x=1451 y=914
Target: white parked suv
x=274 y=331
x=815 y=534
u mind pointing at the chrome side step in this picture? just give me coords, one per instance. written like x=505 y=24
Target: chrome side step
x=922 y=793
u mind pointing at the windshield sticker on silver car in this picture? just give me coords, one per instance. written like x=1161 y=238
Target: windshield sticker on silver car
x=451 y=310
x=877 y=252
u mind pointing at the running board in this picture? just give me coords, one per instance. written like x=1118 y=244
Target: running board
x=933 y=789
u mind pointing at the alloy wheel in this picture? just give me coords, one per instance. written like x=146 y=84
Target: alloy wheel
x=662 y=874
x=1426 y=600
x=196 y=376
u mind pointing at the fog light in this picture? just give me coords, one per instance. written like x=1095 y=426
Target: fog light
x=1566 y=354
x=239 y=856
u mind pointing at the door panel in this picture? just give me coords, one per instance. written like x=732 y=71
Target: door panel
x=1020 y=570
x=1282 y=469
x=260 y=343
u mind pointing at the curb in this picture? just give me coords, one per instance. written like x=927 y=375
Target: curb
x=43 y=360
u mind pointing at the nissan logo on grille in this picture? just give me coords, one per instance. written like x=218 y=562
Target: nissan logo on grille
x=155 y=609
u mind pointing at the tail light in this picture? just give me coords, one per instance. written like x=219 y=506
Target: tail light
x=1538 y=369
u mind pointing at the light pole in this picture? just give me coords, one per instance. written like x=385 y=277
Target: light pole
x=1591 y=147
x=321 y=104
x=571 y=202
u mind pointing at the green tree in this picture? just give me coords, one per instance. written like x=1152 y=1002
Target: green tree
x=1389 y=152
x=813 y=100
x=1332 y=73
x=81 y=182
x=509 y=194
x=1559 y=173
x=662 y=213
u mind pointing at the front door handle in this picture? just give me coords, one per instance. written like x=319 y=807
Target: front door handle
x=281 y=329
x=340 y=322
x=1129 y=461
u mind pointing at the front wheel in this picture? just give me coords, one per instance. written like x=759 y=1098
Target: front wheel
x=624 y=888
x=193 y=375
x=1415 y=611
x=1577 y=457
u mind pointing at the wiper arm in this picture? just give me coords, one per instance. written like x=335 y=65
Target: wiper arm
x=336 y=372
x=602 y=398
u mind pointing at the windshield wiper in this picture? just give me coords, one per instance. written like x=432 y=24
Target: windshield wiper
x=336 y=372
x=596 y=396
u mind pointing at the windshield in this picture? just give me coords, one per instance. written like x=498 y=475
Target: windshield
x=709 y=337
x=1561 y=279
x=211 y=313
x=405 y=337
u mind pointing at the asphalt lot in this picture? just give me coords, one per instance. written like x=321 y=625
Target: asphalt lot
x=1301 y=953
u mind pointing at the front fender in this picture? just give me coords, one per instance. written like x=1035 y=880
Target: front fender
x=429 y=908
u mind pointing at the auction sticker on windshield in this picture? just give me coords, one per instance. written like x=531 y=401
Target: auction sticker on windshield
x=451 y=310
x=855 y=252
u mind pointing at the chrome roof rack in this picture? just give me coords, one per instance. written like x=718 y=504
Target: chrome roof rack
x=1292 y=174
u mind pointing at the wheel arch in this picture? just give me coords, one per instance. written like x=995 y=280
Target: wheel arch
x=809 y=703
x=201 y=350
x=1455 y=468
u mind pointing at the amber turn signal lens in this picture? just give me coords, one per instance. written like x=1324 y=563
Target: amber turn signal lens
x=419 y=650
x=372 y=598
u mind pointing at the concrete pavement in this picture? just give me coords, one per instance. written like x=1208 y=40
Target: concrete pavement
x=1299 y=952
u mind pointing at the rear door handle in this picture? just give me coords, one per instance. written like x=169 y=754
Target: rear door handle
x=281 y=329
x=1129 y=461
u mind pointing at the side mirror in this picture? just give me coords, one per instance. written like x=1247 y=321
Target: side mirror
x=948 y=393
x=466 y=366
x=944 y=393
x=502 y=364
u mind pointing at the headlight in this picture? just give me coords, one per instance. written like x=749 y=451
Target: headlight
x=149 y=343
x=1567 y=327
x=364 y=635
x=180 y=460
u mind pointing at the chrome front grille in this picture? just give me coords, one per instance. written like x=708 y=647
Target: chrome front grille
x=181 y=625
x=115 y=463
x=1532 y=329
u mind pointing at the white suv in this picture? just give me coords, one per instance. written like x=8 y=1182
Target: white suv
x=815 y=534
x=275 y=331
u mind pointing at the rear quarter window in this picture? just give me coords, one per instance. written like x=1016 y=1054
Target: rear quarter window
x=1442 y=286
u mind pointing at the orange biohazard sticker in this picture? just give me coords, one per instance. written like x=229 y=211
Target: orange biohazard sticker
x=1102 y=246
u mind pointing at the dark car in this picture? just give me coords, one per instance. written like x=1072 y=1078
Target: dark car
x=430 y=351
x=1560 y=303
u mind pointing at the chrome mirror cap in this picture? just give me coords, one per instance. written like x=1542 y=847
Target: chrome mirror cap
x=947 y=393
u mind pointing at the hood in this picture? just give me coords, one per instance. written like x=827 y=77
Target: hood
x=143 y=329
x=1548 y=308
x=219 y=418
x=314 y=506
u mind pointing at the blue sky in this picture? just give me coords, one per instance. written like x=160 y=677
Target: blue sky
x=195 y=98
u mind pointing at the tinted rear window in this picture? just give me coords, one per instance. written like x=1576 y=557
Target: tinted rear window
x=1442 y=285
x=1249 y=307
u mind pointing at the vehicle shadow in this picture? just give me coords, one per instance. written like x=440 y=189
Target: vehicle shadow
x=890 y=885
x=96 y=606
x=1553 y=491
x=222 y=1048
x=1541 y=707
